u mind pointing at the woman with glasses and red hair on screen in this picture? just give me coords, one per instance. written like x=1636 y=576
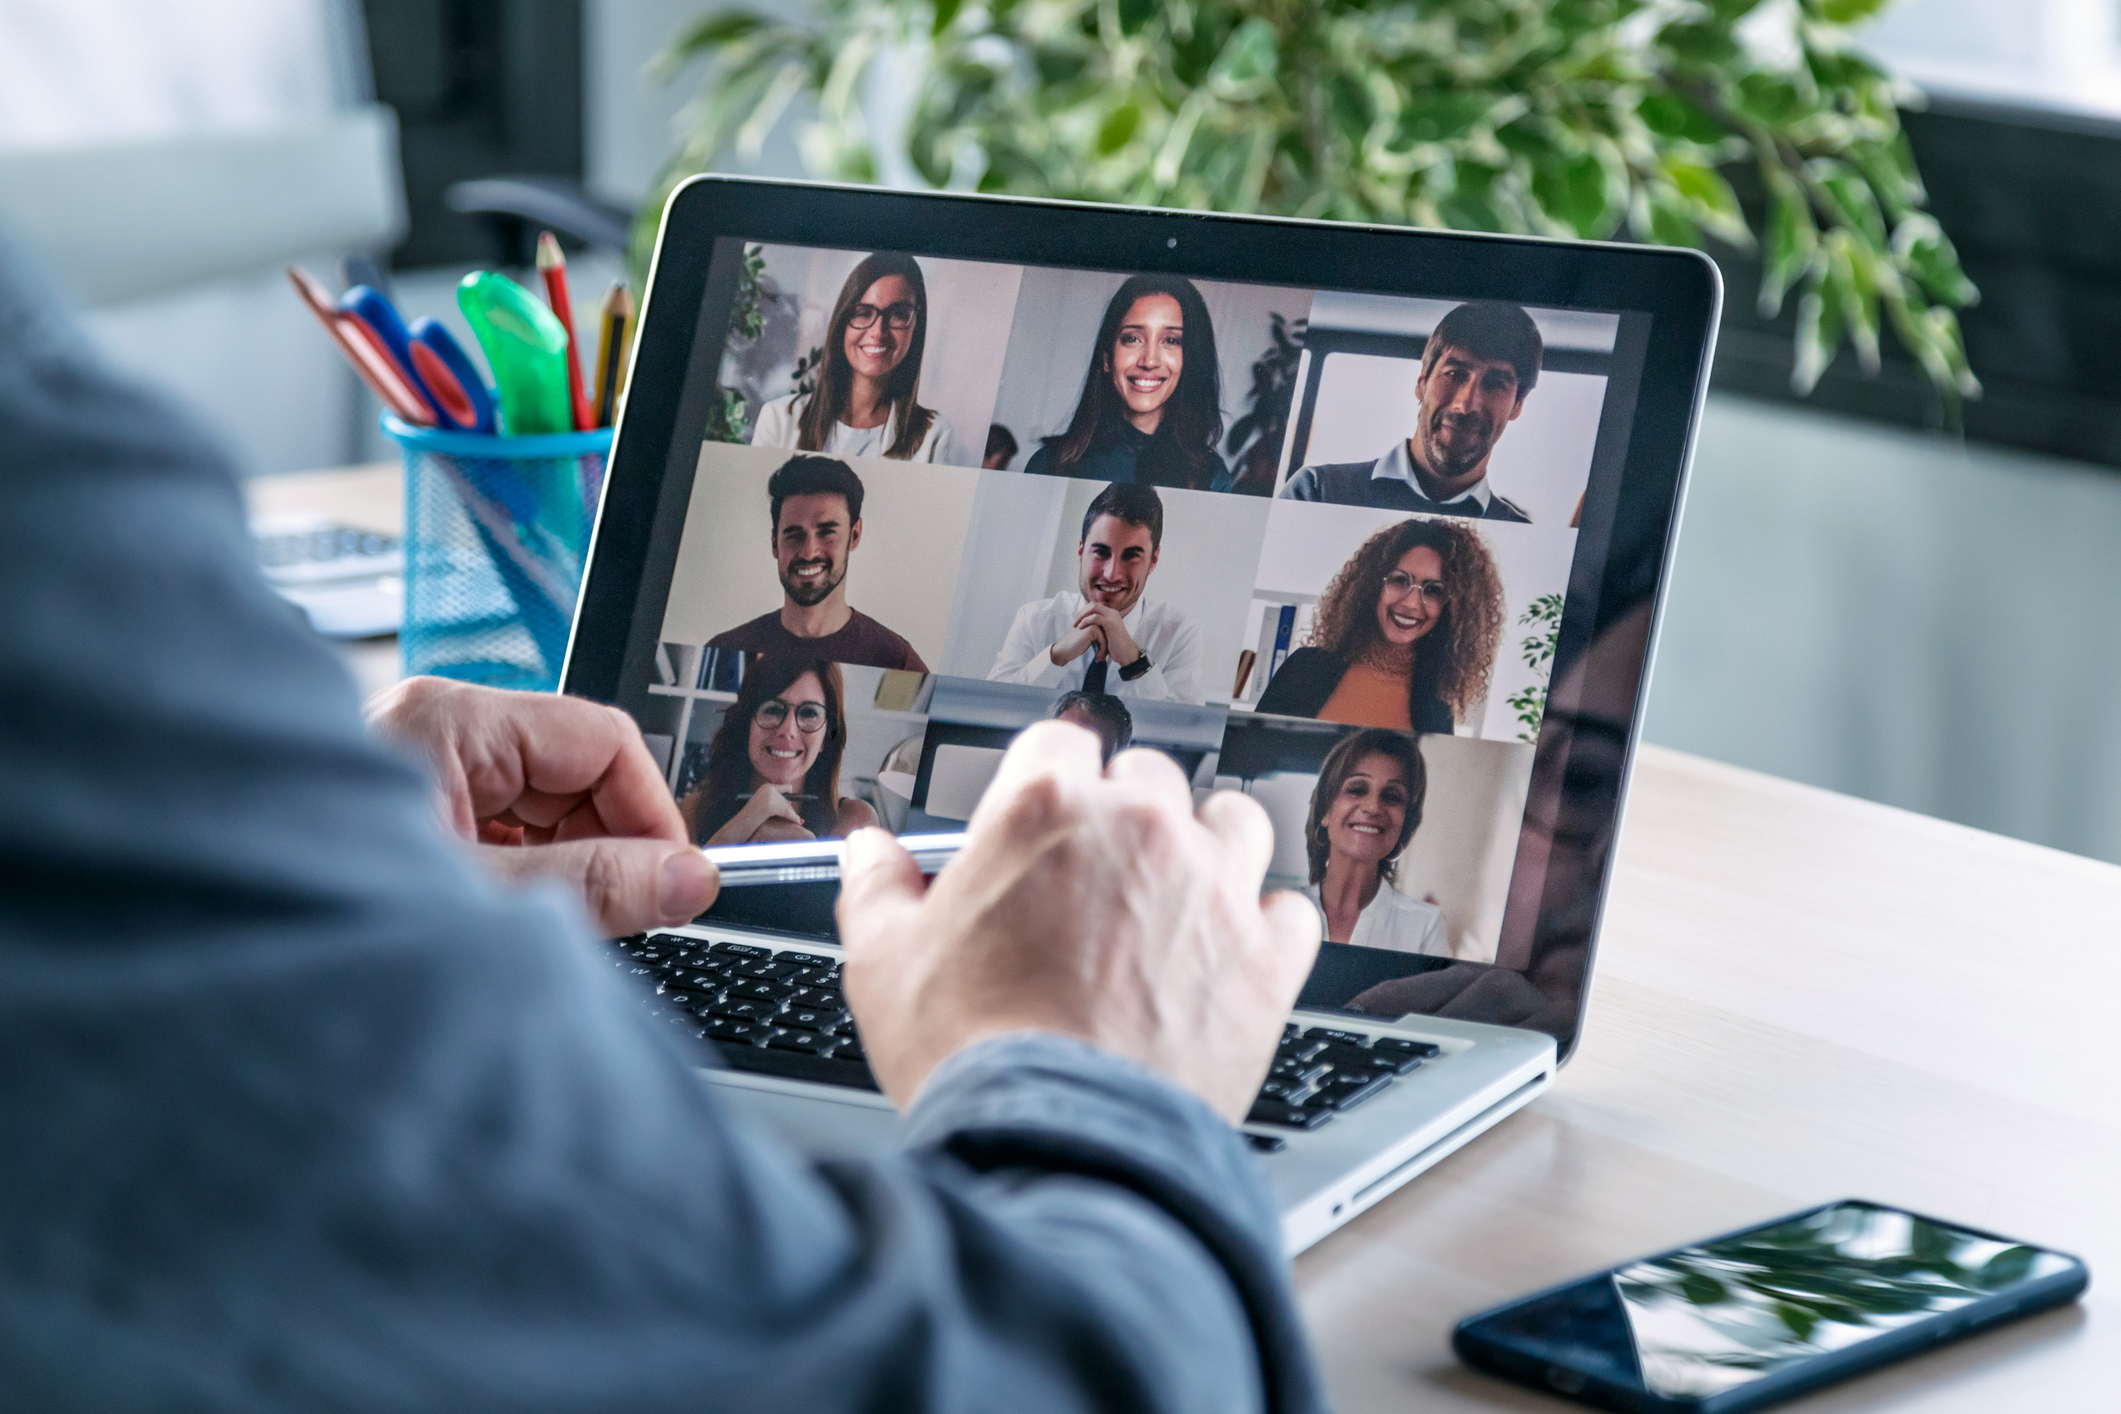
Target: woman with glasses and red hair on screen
x=773 y=767
x=867 y=399
x=1405 y=637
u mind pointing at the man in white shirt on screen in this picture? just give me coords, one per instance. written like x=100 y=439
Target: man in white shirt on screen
x=1107 y=637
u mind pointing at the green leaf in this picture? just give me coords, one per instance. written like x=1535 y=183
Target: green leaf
x=1673 y=115
x=1119 y=128
x=1715 y=205
x=1846 y=12
x=709 y=33
x=1773 y=99
x=1920 y=245
x=945 y=12
x=1792 y=241
x=1818 y=335
x=1851 y=199
x=1698 y=45
x=1666 y=218
x=1849 y=281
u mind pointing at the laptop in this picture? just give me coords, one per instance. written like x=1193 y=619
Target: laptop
x=1370 y=524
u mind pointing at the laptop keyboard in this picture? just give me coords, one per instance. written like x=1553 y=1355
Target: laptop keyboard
x=776 y=1011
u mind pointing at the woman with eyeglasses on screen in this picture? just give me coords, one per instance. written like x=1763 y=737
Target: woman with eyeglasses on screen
x=773 y=768
x=1363 y=816
x=1151 y=405
x=1405 y=637
x=867 y=399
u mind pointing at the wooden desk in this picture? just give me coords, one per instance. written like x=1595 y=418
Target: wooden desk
x=1798 y=997
x=368 y=497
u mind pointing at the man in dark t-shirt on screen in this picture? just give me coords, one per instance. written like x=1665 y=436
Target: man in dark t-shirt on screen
x=817 y=523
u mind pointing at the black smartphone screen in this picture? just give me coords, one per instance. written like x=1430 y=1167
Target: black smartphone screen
x=1754 y=1316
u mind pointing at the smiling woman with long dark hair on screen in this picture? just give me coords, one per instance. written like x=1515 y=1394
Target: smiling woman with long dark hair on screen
x=773 y=768
x=1405 y=637
x=1151 y=405
x=867 y=399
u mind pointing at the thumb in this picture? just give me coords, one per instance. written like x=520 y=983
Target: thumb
x=879 y=883
x=626 y=885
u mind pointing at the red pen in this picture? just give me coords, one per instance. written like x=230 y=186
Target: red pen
x=362 y=349
x=553 y=266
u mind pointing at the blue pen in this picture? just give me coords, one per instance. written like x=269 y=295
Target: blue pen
x=379 y=314
x=432 y=343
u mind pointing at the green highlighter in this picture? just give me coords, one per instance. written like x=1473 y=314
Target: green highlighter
x=527 y=349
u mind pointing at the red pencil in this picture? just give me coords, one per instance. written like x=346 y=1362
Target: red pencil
x=553 y=266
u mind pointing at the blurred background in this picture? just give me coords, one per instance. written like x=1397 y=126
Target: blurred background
x=1861 y=601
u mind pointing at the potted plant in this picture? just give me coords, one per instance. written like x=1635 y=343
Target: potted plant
x=1595 y=118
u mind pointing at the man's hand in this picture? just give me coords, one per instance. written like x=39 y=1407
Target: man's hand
x=1110 y=629
x=1099 y=906
x=1071 y=645
x=554 y=787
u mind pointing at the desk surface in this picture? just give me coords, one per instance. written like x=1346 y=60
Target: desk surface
x=1798 y=997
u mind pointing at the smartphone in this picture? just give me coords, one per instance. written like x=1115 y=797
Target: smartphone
x=1758 y=1316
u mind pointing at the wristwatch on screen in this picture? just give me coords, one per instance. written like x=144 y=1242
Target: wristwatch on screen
x=1136 y=668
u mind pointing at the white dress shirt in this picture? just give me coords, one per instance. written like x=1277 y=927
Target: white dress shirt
x=1396 y=922
x=779 y=425
x=1171 y=640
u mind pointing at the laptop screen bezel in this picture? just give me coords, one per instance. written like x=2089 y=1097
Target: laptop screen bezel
x=686 y=311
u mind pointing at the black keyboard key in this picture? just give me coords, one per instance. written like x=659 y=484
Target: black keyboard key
x=763 y=991
x=1392 y=1062
x=1346 y=1038
x=743 y=1008
x=1306 y=1071
x=734 y=1030
x=743 y=950
x=1289 y=1089
x=845 y=1025
x=766 y=969
x=814 y=977
x=1264 y=1143
x=808 y=1017
x=796 y=1038
x=823 y=998
x=807 y=959
x=1346 y=1093
x=1271 y=1111
x=696 y=980
x=849 y=1048
x=1400 y=1045
x=798 y=1065
x=1299 y=1048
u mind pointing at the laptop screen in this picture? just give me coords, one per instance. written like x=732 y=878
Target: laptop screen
x=1314 y=545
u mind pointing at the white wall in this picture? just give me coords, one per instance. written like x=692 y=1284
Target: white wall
x=903 y=575
x=1052 y=344
x=1894 y=615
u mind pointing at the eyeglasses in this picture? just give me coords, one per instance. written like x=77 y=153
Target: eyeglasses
x=809 y=716
x=1399 y=584
x=898 y=318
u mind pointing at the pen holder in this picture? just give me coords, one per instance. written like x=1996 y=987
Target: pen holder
x=496 y=531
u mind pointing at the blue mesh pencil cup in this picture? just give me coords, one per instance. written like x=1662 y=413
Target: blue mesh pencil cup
x=496 y=531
